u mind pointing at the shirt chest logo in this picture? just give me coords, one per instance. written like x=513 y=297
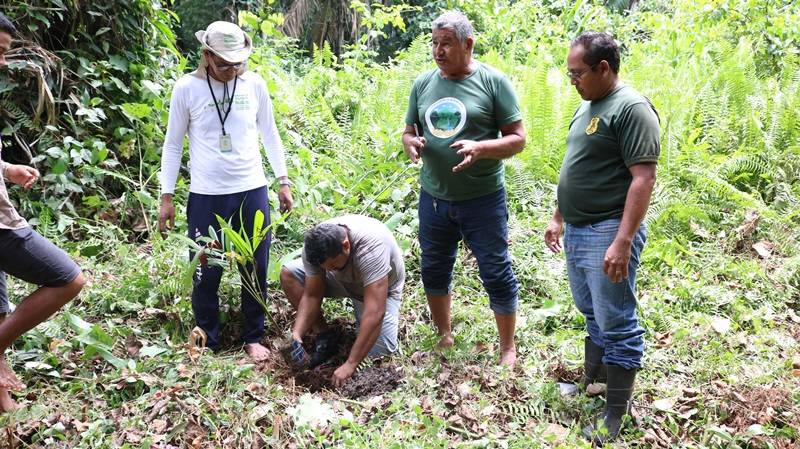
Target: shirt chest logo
x=446 y=117
x=240 y=103
x=591 y=128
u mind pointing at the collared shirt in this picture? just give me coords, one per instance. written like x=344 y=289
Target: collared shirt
x=9 y=218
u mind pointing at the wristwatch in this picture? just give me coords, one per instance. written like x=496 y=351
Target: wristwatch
x=284 y=182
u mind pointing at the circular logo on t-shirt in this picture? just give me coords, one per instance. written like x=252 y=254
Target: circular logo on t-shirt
x=446 y=117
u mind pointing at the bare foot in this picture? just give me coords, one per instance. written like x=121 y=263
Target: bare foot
x=9 y=380
x=508 y=357
x=445 y=342
x=7 y=404
x=256 y=351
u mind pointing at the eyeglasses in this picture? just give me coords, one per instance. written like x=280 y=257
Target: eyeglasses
x=577 y=75
x=228 y=66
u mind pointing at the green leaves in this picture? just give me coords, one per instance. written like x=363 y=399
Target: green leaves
x=95 y=341
x=136 y=111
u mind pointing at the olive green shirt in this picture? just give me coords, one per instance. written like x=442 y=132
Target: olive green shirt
x=605 y=138
x=446 y=111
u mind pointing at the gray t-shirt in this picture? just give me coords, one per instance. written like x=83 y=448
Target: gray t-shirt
x=9 y=218
x=373 y=254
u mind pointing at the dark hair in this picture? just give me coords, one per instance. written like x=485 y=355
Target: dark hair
x=597 y=47
x=324 y=241
x=6 y=25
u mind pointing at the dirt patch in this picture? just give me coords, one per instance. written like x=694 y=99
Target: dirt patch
x=381 y=377
x=366 y=383
x=734 y=407
x=765 y=406
x=372 y=381
x=795 y=330
x=315 y=380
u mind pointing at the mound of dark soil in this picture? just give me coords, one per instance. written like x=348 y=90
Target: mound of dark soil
x=373 y=381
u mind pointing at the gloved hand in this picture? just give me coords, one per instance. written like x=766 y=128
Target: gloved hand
x=325 y=347
x=298 y=353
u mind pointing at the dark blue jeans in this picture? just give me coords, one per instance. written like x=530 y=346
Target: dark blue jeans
x=609 y=308
x=483 y=224
x=201 y=211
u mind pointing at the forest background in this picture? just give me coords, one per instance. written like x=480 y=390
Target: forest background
x=85 y=101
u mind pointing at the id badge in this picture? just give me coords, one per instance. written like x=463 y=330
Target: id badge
x=225 y=145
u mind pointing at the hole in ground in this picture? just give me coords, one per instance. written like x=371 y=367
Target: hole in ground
x=378 y=377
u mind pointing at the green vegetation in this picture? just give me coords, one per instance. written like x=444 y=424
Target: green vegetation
x=719 y=285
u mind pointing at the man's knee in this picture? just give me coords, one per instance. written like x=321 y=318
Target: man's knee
x=74 y=287
x=289 y=279
x=78 y=283
x=286 y=277
x=386 y=345
x=503 y=291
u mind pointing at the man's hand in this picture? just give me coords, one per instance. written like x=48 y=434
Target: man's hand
x=166 y=214
x=552 y=235
x=615 y=264
x=618 y=255
x=343 y=373
x=470 y=149
x=22 y=175
x=285 y=199
x=414 y=148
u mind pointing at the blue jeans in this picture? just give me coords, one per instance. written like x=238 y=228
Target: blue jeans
x=202 y=211
x=609 y=308
x=483 y=224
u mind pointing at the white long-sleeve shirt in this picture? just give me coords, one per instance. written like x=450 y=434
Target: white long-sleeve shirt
x=212 y=171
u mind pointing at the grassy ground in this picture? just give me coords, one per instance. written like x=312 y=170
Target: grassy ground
x=719 y=284
x=722 y=361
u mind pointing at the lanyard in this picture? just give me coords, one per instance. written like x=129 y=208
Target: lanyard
x=224 y=96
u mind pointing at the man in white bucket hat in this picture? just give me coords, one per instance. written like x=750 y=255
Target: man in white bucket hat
x=224 y=108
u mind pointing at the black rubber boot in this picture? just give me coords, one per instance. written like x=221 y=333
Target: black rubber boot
x=325 y=347
x=618 y=404
x=593 y=368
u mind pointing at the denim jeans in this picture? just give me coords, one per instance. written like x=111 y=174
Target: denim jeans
x=483 y=224
x=609 y=308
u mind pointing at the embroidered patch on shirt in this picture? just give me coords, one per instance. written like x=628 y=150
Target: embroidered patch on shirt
x=591 y=128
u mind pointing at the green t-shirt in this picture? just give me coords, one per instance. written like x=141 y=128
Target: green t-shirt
x=605 y=138
x=445 y=111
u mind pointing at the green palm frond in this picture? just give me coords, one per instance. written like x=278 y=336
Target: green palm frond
x=524 y=185
x=744 y=165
